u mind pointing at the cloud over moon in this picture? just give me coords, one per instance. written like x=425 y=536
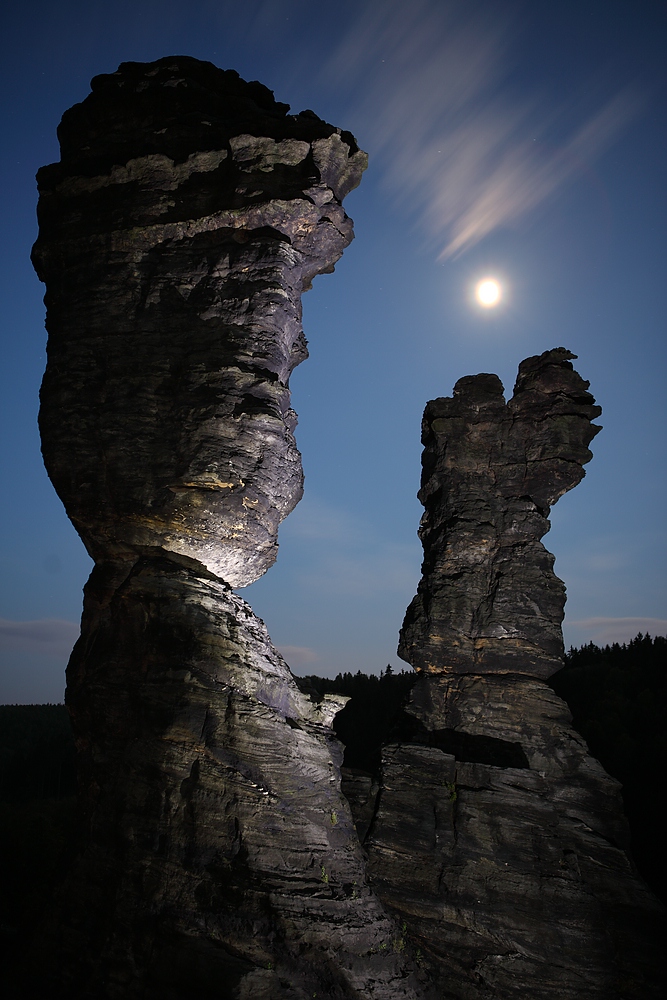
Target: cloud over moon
x=458 y=147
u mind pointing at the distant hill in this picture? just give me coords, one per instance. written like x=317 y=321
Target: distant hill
x=36 y=753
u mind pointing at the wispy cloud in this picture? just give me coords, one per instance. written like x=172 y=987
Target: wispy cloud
x=457 y=145
x=298 y=657
x=316 y=521
x=49 y=636
x=607 y=630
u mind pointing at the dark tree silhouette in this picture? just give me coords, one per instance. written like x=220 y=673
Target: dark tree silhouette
x=365 y=722
x=618 y=698
x=617 y=695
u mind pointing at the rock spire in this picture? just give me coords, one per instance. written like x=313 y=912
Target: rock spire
x=188 y=213
x=496 y=838
x=186 y=216
x=488 y=599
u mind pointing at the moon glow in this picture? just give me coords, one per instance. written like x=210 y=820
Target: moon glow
x=488 y=293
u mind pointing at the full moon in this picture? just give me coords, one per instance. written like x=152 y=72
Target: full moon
x=488 y=293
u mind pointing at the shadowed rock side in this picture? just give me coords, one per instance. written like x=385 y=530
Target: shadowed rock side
x=218 y=857
x=497 y=840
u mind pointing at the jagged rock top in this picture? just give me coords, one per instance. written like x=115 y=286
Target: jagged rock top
x=169 y=105
x=162 y=125
x=548 y=419
x=488 y=600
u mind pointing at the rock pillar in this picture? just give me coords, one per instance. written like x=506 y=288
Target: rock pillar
x=488 y=600
x=188 y=213
x=498 y=841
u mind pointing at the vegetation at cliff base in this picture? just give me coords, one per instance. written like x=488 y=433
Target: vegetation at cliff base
x=617 y=695
x=618 y=698
x=37 y=813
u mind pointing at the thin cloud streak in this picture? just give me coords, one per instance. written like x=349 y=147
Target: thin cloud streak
x=298 y=657
x=609 y=630
x=48 y=636
x=457 y=147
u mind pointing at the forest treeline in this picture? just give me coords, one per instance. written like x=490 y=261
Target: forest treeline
x=618 y=698
x=617 y=695
x=37 y=813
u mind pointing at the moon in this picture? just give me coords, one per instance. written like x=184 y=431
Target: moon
x=488 y=293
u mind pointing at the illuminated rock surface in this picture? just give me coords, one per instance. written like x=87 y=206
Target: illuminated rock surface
x=497 y=840
x=188 y=213
x=218 y=858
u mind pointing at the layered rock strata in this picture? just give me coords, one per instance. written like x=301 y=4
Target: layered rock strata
x=218 y=856
x=497 y=840
x=186 y=216
x=488 y=598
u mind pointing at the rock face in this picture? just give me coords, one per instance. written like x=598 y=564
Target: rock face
x=497 y=840
x=218 y=857
x=188 y=213
x=489 y=599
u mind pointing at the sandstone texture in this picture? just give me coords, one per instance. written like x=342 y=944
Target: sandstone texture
x=186 y=216
x=496 y=839
x=488 y=598
x=218 y=857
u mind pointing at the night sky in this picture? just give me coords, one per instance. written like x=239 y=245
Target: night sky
x=521 y=141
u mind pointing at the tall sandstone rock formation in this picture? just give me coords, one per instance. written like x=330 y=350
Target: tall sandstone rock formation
x=497 y=840
x=218 y=857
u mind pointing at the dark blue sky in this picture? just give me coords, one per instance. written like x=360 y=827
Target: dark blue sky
x=524 y=140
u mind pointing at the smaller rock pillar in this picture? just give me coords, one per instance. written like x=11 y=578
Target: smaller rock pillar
x=488 y=600
x=498 y=841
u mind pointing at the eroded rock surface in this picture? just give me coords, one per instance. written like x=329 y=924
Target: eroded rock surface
x=218 y=856
x=488 y=598
x=497 y=840
x=186 y=216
